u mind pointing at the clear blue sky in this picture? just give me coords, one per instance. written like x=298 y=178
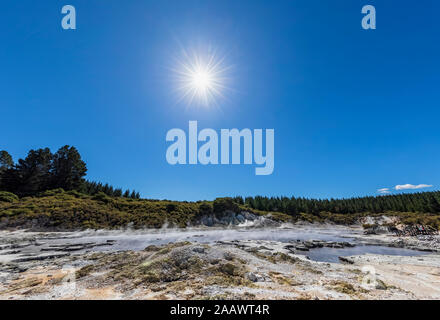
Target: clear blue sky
x=353 y=110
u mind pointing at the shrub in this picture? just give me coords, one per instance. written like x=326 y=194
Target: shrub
x=225 y=204
x=8 y=196
x=205 y=209
x=101 y=196
x=15 y=212
x=90 y=225
x=52 y=192
x=76 y=194
x=278 y=216
x=171 y=207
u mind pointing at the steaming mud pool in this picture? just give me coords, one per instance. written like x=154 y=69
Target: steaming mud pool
x=283 y=262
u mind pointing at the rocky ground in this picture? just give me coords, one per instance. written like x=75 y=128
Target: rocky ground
x=238 y=269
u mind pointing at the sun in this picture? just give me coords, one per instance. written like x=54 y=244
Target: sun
x=201 y=79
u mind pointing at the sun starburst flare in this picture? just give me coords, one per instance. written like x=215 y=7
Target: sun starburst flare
x=201 y=80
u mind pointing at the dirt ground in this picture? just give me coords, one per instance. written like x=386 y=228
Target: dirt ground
x=225 y=270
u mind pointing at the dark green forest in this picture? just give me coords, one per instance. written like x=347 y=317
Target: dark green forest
x=49 y=191
x=42 y=170
x=427 y=202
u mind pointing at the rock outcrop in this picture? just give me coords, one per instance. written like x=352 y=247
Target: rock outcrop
x=229 y=218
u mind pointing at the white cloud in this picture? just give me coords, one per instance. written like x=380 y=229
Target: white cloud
x=384 y=190
x=411 y=186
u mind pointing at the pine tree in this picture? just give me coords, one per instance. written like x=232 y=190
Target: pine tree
x=68 y=169
x=33 y=173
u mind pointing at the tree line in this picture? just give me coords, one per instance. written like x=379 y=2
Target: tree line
x=43 y=170
x=427 y=202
